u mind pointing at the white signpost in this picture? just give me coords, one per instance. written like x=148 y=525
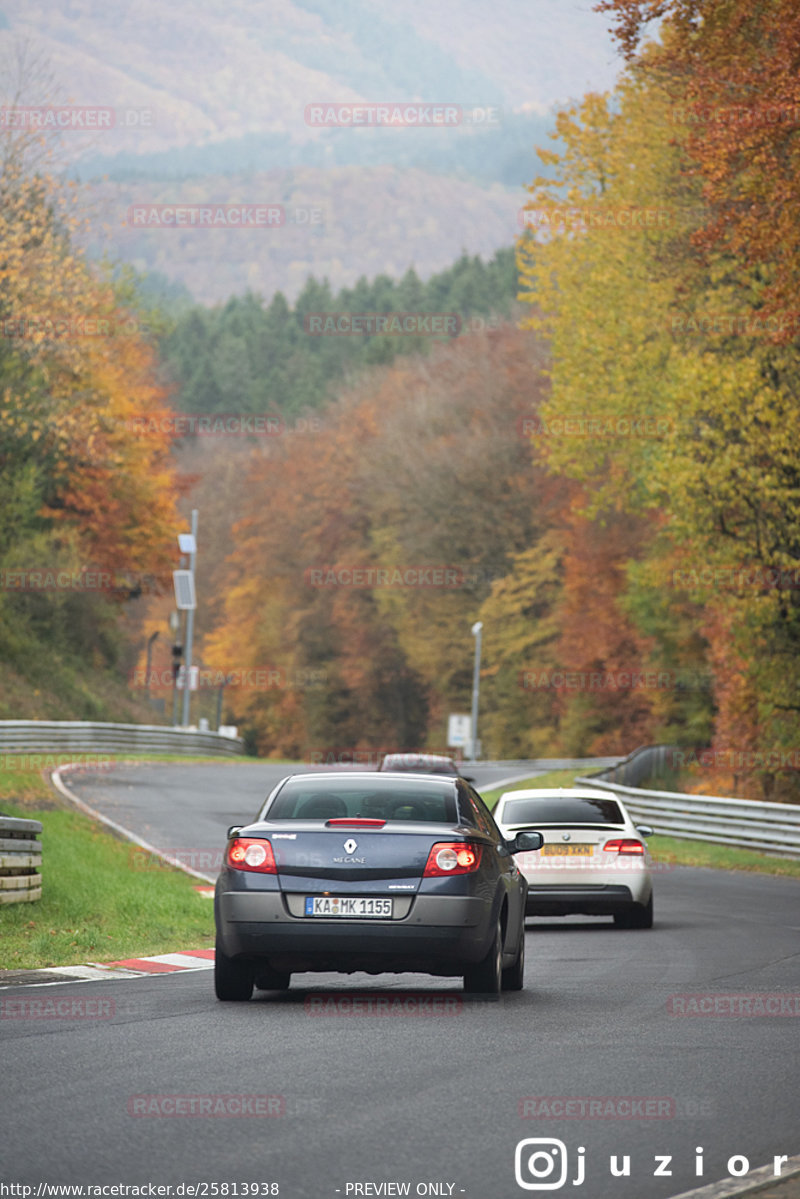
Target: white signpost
x=194 y=678
x=459 y=731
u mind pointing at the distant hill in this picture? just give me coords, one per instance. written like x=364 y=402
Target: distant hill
x=209 y=103
x=184 y=74
x=341 y=224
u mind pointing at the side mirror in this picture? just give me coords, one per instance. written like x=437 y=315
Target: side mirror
x=234 y=831
x=645 y=830
x=524 y=842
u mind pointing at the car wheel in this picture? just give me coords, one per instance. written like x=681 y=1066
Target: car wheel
x=514 y=976
x=637 y=916
x=486 y=978
x=233 y=978
x=272 y=980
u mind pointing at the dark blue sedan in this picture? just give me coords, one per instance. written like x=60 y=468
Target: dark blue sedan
x=373 y=872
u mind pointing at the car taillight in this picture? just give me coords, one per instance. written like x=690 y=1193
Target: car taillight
x=623 y=845
x=452 y=857
x=247 y=853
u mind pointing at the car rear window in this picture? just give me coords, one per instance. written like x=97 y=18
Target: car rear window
x=327 y=799
x=569 y=810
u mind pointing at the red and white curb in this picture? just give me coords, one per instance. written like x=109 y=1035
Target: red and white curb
x=161 y=963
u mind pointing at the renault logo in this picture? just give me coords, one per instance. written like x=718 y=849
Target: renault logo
x=350 y=846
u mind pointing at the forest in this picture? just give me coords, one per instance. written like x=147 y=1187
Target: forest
x=601 y=466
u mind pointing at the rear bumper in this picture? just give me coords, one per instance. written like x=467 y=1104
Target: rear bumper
x=585 y=900
x=439 y=935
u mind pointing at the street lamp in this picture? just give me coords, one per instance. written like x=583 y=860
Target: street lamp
x=476 y=680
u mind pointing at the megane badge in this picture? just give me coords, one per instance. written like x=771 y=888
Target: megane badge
x=566 y=837
x=350 y=846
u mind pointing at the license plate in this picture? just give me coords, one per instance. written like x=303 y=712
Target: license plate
x=359 y=907
x=567 y=851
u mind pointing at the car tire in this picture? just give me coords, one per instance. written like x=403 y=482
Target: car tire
x=272 y=980
x=486 y=978
x=637 y=916
x=233 y=978
x=514 y=976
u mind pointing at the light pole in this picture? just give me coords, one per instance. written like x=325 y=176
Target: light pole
x=187 y=677
x=476 y=682
x=177 y=650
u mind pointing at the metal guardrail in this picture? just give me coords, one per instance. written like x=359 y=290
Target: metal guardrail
x=20 y=860
x=745 y=823
x=545 y=763
x=83 y=736
x=642 y=763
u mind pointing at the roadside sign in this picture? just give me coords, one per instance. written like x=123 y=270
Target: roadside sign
x=459 y=730
x=183 y=581
x=194 y=678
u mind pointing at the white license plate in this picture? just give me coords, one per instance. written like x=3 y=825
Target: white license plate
x=554 y=850
x=359 y=907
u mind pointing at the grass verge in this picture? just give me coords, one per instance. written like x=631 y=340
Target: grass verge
x=553 y=778
x=675 y=850
x=720 y=857
x=96 y=905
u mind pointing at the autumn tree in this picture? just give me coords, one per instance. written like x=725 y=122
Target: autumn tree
x=79 y=489
x=671 y=400
x=735 y=64
x=420 y=466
